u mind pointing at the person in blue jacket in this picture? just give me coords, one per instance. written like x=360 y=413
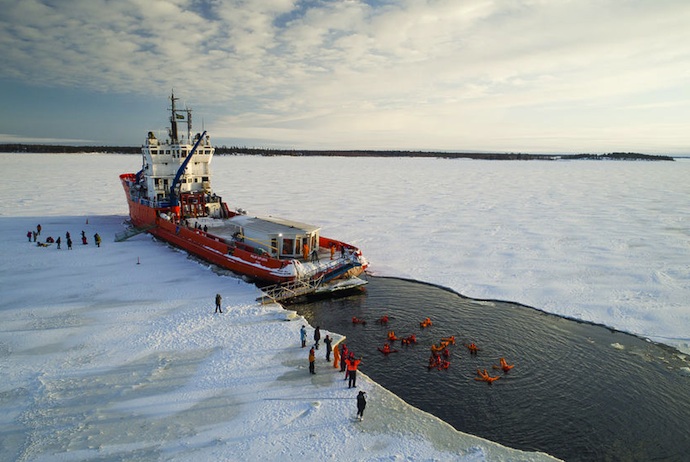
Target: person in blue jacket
x=303 y=336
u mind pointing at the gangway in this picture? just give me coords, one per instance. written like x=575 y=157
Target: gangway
x=289 y=290
x=131 y=232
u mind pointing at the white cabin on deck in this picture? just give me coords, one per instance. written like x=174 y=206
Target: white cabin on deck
x=279 y=237
x=161 y=161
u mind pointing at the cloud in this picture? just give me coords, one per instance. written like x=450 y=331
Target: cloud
x=445 y=70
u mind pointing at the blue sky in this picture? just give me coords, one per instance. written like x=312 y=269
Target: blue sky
x=506 y=76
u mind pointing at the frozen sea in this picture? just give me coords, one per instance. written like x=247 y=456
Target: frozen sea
x=116 y=355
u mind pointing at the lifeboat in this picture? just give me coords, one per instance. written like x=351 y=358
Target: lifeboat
x=426 y=323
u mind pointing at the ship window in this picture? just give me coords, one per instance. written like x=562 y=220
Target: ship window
x=288 y=247
x=204 y=178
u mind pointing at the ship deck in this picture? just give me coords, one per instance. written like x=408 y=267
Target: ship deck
x=225 y=229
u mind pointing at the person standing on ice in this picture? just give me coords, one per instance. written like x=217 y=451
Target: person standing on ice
x=58 y=241
x=317 y=337
x=312 y=360
x=352 y=364
x=327 y=341
x=303 y=336
x=97 y=239
x=343 y=358
x=219 y=299
x=361 y=404
x=336 y=356
x=38 y=230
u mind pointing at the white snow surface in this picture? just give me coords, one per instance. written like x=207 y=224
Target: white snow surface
x=114 y=353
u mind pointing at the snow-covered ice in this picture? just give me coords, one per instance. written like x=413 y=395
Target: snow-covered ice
x=114 y=353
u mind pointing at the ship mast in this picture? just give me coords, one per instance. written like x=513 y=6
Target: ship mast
x=173 y=120
x=175 y=117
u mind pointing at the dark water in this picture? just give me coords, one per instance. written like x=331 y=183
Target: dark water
x=578 y=391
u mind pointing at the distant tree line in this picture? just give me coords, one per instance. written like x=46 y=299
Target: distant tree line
x=59 y=149
x=235 y=150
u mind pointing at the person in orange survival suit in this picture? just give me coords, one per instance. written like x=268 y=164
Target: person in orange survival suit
x=352 y=364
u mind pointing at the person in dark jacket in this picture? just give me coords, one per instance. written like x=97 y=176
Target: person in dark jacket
x=361 y=404
x=219 y=301
x=317 y=337
x=327 y=341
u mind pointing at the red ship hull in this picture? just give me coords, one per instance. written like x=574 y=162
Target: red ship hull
x=234 y=256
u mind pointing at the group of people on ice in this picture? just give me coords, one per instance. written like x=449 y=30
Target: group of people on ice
x=58 y=242
x=343 y=357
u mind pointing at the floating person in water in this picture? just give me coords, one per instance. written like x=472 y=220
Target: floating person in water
x=485 y=377
x=473 y=348
x=504 y=366
x=386 y=350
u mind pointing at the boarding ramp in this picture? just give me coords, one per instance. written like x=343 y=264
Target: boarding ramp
x=287 y=291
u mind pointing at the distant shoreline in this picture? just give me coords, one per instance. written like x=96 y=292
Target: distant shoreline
x=224 y=150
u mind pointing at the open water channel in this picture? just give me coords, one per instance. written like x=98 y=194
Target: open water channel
x=578 y=391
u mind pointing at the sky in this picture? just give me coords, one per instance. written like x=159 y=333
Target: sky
x=481 y=75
